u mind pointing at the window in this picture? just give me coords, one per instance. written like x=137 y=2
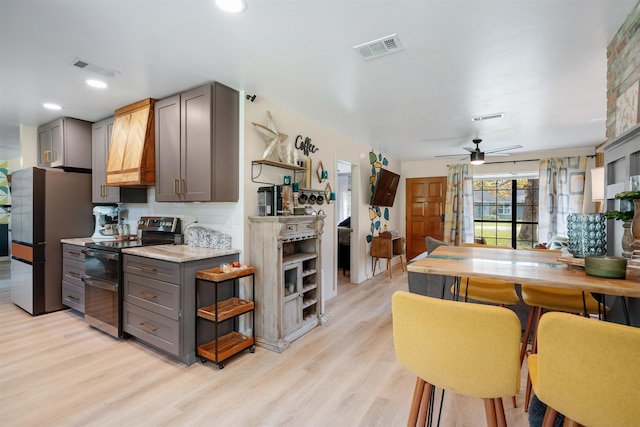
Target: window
x=505 y=210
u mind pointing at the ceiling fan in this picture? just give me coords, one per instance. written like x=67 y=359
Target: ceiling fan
x=477 y=157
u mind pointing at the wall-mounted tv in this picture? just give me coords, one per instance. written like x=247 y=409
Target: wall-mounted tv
x=385 y=188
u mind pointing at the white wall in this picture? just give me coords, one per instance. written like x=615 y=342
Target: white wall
x=331 y=147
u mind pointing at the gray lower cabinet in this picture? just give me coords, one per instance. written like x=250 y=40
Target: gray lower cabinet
x=65 y=142
x=159 y=304
x=197 y=145
x=72 y=272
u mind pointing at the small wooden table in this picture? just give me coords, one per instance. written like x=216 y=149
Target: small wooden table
x=387 y=248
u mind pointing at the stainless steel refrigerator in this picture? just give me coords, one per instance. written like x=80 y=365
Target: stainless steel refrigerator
x=47 y=205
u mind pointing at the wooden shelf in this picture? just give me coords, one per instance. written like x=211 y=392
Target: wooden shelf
x=289 y=259
x=257 y=165
x=279 y=165
x=226 y=309
x=228 y=345
x=307 y=288
x=309 y=302
x=216 y=275
x=309 y=272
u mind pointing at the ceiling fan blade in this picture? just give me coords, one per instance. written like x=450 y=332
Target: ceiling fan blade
x=452 y=155
x=471 y=150
x=497 y=150
x=497 y=154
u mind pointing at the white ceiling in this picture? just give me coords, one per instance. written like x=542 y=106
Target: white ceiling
x=543 y=63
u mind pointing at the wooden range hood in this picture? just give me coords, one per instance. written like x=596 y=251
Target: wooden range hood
x=131 y=159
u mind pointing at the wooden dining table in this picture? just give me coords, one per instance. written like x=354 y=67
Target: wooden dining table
x=528 y=267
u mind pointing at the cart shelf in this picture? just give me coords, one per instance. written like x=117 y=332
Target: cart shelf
x=226 y=309
x=228 y=345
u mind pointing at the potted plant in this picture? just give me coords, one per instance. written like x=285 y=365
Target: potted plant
x=630 y=219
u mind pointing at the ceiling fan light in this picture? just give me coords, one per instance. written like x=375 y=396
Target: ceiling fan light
x=477 y=158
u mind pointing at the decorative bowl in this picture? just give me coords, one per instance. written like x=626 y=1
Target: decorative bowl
x=611 y=267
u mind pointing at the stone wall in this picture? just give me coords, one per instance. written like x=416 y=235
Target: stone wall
x=623 y=77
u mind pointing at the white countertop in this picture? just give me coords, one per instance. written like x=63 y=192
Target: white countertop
x=173 y=253
x=178 y=253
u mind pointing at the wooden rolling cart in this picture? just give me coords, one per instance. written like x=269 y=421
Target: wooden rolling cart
x=219 y=304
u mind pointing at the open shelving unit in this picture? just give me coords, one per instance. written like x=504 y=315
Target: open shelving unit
x=225 y=307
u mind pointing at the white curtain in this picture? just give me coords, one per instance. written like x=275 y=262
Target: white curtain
x=458 y=213
x=561 y=186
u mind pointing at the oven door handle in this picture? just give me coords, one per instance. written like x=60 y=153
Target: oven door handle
x=101 y=254
x=107 y=286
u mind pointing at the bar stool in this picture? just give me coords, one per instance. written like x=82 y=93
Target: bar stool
x=540 y=298
x=435 y=339
x=587 y=370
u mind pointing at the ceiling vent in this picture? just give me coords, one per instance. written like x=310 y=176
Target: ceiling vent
x=380 y=47
x=85 y=65
x=487 y=117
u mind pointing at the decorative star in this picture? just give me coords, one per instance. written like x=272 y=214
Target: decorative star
x=270 y=135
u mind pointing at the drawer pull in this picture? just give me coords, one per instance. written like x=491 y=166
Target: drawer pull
x=73 y=273
x=74 y=253
x=145 y=268
x=71 y=297
x=147 y=328
x=146 y=295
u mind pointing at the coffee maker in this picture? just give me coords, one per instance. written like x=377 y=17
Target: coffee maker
x=106 y=222
x=270 y=200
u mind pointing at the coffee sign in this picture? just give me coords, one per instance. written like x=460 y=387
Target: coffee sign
x=305 y=145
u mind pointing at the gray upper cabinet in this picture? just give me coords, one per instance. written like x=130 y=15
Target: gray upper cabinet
x=197 y=145
x=100 y=135
x=66 y=143
x=101 y=193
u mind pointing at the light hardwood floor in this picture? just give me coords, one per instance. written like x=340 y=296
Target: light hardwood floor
x=57 y=371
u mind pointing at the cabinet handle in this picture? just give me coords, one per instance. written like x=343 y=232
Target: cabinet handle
x=47 y=156
x=147 y=328
x=176 y=186
x=73 y=273
x=145 y=268
x=183 y=187
x=73 y=253
x=147 y=295
x=73 y=298
x=103 y=191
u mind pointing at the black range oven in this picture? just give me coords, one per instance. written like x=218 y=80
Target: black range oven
x=103 y=271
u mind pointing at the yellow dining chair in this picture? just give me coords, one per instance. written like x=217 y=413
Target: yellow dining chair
x=540 y=298
x=490 y=291
x=587 y=370
x=485 y=290
x=470 y=349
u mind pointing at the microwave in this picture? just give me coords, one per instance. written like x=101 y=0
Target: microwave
x=270 y=200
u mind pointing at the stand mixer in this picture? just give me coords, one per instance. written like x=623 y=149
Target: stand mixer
x=106 y=222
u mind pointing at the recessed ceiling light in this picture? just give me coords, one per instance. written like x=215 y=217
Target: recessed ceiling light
x=232 y=6
x=97 y=84
x=51 y=106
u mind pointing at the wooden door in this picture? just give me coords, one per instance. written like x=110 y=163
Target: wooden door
x=425 y=212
